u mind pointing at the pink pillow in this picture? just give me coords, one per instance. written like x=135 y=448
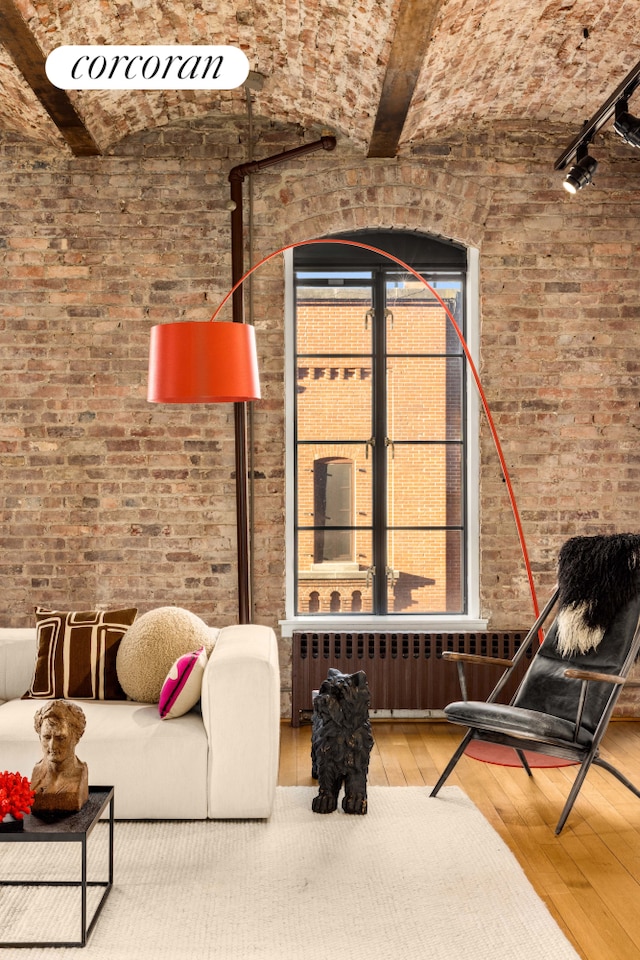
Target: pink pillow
x=181 y=690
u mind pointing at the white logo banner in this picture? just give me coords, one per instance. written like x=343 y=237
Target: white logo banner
x=147 y=67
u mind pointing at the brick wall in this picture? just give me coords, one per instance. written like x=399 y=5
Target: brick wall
x=108 y=499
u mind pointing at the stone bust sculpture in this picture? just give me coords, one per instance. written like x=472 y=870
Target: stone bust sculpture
x=60 y=781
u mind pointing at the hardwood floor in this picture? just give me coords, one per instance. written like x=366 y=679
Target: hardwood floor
x=589 y=876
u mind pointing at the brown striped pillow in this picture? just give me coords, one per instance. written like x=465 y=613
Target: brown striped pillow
x=77 y=651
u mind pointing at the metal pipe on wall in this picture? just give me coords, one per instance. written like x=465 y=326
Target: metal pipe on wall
x=236 y=178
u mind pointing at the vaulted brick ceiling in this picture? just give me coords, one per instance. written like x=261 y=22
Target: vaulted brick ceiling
x=385 y=74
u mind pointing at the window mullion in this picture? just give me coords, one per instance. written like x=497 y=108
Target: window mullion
x=380 y=448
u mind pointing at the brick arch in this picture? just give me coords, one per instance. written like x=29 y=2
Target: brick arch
x=406 y=196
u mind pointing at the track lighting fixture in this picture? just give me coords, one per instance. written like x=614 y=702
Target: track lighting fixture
x=625 y=125
x=582 y=171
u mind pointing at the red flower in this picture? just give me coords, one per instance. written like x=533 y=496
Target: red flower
x=16 y=795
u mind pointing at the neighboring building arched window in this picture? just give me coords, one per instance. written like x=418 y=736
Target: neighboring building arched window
x=314 y=601
x=333 y=510
x=335 y=602
x=383 y=507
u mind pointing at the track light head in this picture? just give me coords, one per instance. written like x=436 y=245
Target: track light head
x=626 y=125
x=581 y=173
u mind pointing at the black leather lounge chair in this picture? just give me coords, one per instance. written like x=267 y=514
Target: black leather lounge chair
x=564 y=703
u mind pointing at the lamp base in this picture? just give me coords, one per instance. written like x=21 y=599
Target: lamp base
x=507 y=757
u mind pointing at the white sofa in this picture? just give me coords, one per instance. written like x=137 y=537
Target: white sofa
x=218 y=761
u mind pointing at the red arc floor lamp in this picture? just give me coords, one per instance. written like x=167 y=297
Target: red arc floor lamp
x=215 y=362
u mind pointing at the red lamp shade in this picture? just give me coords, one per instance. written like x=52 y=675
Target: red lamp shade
x=202 y=362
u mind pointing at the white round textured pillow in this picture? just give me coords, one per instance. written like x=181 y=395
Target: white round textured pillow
x=151 y=646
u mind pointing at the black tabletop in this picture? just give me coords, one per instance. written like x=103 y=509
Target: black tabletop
x=64 y=825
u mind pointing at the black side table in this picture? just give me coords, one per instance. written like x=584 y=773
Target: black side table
x=67 y=828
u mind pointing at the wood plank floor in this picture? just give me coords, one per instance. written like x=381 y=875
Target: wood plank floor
x=589 y=876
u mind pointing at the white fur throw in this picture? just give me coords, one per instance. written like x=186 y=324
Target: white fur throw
x=597 y=576
x=575 y=636
x=151 y=646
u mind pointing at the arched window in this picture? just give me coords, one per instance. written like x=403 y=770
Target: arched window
x=314 y=601
x=333 y=509
x=383 y=507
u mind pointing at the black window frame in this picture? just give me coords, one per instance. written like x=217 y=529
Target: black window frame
x=435 y=259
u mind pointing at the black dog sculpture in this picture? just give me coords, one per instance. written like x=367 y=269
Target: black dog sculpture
x=341 y=741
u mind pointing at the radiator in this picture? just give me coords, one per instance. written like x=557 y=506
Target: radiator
x=405 y=671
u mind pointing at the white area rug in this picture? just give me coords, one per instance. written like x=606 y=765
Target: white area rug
x=415 y=878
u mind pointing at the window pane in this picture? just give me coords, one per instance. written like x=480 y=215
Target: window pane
x=334 y=398
x=425 y=571
x=416 y=320
x=333 y=319
x=334 y=587
x=424 y=485
x=309 y=514
x=424 y=398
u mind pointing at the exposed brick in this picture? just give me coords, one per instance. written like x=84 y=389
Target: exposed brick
x=108 y=499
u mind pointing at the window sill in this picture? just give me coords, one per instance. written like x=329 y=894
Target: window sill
x=370 y=624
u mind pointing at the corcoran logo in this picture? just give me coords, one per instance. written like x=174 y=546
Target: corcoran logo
x=147 y=67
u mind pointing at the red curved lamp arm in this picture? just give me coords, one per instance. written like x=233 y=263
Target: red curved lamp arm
x=467 y=353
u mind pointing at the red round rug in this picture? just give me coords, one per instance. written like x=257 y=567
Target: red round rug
x=507 y=757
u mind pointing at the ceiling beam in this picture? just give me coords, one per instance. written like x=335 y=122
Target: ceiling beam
x=414 y=26
x=21 y=45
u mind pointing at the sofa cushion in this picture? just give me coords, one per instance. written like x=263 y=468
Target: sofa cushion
x=76 y=653
x=241 y=714
x=153 y=644
x=18 y=649
x=159 y=770
x=183 y=686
